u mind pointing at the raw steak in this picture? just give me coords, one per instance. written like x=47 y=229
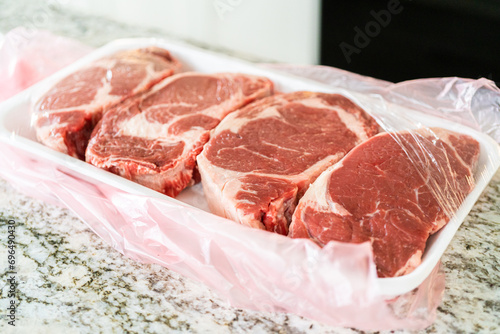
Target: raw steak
x=393 y=190
x=154 y=140
x=261 y=158
x=65 y=116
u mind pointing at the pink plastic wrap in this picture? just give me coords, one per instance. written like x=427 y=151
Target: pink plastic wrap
x=474 y=103
x=27 y=56
x=251 y=268
x=255 y=269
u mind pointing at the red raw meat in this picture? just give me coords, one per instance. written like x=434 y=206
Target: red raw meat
x=155 y=138
x=394 y=190
x=65 y=116
x=262 y=158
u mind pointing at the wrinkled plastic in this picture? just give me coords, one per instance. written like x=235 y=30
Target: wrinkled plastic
x=27 y=56
x=251 y=268
x=336 y=284
x=474 y=103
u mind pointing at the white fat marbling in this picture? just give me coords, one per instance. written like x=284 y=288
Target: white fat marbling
x=71 y=282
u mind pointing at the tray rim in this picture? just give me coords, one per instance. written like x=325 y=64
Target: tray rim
x=388 y=286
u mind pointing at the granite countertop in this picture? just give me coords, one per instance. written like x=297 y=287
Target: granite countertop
x=70 y=281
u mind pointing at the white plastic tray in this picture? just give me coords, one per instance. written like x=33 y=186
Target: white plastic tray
x=15 y=129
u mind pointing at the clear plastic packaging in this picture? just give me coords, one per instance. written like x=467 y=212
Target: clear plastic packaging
x=27 y=56
x=336 y=284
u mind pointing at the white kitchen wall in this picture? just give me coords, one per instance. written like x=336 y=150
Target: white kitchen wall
x=279 y=30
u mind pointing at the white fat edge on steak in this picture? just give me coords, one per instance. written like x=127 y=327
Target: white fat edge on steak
x=316 y=197
x=350 y=120
x=103 y=93
x=50 y=139
x=442 y=197
x=444 y=135
x=150 y=73
x=110 y=62
x=139 y=126
x=221 y=192
x=111 y=161
x=220 y=195
x=55 y=140
x=213 y=111
x=147 y=176
x=224 y=175
x=437 y=133
x=102 y=99
x=234 y=122
x=313 y=170
x=228 y=192
x=221 y=186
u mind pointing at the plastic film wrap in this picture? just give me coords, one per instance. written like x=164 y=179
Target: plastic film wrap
x=336 y=284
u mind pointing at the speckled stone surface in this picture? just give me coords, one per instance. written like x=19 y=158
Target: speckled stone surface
x=70 y=281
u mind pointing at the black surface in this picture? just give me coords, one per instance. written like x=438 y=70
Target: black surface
x=426 y=39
